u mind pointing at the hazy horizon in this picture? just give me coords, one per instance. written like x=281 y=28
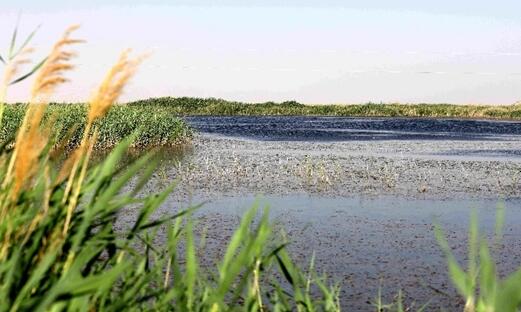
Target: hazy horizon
x=308 y=51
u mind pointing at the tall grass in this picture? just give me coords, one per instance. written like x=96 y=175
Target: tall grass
x=60 y=251
x=152 y=127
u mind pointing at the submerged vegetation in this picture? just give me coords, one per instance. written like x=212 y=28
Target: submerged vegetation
x=219 y=107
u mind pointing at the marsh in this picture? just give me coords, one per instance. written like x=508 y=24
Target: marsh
x=360 y=194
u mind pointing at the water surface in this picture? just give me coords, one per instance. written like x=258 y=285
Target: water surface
x=367 y=243
x=310 y=128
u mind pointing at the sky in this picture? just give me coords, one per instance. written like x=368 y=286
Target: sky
x=329 y=51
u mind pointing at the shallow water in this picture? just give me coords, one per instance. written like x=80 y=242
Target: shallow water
x=372 y=241
x=368 y=243
x=455 y=211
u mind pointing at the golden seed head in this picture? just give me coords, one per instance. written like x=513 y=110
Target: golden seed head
x=51 y=75
x=29 y=145
x=112 y=86
x=31 y=138
x=13 y=68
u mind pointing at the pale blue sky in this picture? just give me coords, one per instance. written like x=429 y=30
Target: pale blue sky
x=311 y=51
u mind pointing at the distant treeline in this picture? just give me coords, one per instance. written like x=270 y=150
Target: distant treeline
x=211 y=106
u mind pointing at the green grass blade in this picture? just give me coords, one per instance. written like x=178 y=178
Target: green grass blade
x=239 y=235
x=191 y=266
x=29 y=74
x=473 y=251
x=509 y=294
x=13 y=39
x=488 y=280
x=456 y=273
x=145 y=176
x=27 y=40
x=37 y=276
x=150 y=205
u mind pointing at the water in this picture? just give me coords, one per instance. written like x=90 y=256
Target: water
x=309 y=128
x=383 y=208
x=367 y=243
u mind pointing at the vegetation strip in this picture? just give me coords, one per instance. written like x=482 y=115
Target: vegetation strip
x=158 y=123
x=219 y=107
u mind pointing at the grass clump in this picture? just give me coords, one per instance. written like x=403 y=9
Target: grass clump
x=219 y=107
x=60 y=250
x=154 y=127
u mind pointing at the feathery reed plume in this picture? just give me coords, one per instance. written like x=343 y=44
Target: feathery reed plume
x=112 y=86
x=108 y=92
x=30 y=139
x=30 y=148
x=50 y=75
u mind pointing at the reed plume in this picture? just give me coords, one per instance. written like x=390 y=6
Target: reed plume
x=108 y=92
x=51 y=75
x=29 y=149
x=31 y=139
x=112 y=86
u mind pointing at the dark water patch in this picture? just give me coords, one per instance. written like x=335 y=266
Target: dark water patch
x=305 y=128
